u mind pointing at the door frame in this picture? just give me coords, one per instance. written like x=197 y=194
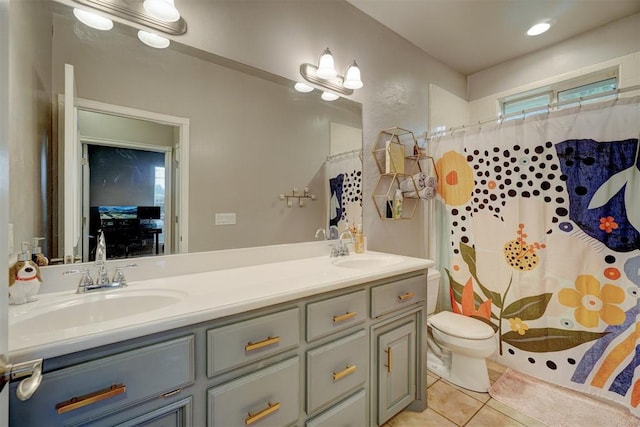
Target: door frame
x=181 y=213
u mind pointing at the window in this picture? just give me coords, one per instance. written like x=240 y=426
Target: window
x=537 y=101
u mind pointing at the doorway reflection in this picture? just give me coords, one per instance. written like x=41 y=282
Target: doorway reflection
x=126 y=200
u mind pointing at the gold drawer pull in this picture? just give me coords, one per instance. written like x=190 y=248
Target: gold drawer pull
x=388 y=365
x=348 y=315
x=91 y=398
x=256 y=345
x=406 y=296
x=271 y=408
x=348 y=370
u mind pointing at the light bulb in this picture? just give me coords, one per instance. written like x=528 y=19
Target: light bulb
x=92 y=20
x=163 y=10
x=538 y=29
x=328 y=96
x=153 y=40
x=326 y=68
x=302 y=87
x=352 y=77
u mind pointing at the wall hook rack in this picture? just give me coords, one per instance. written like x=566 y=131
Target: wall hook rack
x=306 y=194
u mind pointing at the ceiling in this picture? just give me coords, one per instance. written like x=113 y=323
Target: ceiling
x=471 y=35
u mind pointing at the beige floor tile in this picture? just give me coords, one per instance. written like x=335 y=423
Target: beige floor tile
x=452 y=403
x=512 y=413
x=481 y=397
x=428 y=418
x=490 y=417
x=431 y=379
x=495 y=366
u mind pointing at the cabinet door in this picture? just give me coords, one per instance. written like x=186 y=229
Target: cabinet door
x=396 y=369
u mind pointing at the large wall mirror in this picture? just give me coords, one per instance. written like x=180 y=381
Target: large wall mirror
x=250 y=138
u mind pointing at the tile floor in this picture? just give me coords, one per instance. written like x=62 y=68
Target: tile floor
x=451 y=406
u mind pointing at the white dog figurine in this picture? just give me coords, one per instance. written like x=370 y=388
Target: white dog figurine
x=24 y=282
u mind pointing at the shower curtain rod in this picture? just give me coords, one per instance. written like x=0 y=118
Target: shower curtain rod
x=548 y=107
x=345 y=154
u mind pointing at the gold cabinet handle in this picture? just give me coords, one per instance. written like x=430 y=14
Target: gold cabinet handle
x=388 y=365
x=350 y=369
x=348 y=315
x=406 y=296
x=91 y=398
x=266 y=342
x=271 y=408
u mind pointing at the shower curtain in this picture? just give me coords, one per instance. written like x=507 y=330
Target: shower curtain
x=343 y=176
x=540 y=238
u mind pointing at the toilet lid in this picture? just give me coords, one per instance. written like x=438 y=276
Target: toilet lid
x=460 y=326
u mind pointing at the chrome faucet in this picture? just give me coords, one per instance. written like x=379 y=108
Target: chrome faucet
x=341 y=248
x=87 y=284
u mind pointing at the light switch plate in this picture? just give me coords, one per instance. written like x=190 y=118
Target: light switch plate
x=225 y=218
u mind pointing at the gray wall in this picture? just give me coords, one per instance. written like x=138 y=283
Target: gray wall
x=30 y=144
x=610 y=41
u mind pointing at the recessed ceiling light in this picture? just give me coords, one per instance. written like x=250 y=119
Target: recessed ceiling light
x=93 y=20
x=538 y=29
x=153 y=40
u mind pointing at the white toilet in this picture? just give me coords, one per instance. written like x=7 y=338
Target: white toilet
x=457 y=345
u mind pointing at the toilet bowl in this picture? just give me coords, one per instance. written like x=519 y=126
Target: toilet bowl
x=458 y=345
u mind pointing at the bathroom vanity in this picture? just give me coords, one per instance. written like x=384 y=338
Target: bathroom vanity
x=315 y=341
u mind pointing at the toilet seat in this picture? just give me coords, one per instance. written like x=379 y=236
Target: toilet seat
x=460 y=326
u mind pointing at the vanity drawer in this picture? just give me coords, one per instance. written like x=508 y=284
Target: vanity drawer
x=336 y=368
x=350 y=412
x=246 y=341
x=268 y=397
x=109 y=384
x=396 y=295
x=335 y=314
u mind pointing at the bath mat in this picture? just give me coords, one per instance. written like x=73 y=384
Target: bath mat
x=556 y=406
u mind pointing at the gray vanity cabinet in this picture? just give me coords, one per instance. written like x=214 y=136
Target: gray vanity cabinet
x=139 y=384
x=396 y=368
x=351 y=356
x=398 y=346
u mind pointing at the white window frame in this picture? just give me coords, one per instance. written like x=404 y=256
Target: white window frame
x=552 y=91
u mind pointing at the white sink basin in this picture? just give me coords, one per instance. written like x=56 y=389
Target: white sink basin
x=80 y=310
x=367 y=261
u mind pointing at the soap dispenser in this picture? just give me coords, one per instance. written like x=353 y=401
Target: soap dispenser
x=37 y=256
x=24 y=278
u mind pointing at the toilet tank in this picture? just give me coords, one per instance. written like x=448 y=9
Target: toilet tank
x=433 y=286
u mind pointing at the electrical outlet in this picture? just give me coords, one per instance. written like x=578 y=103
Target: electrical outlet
x=225 y=218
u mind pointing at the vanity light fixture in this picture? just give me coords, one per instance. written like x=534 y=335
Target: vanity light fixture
x=163 y=10
x=538 y=29
x=325 y=76
x=352 y=77
x=326 y=66
x=328 y=96
x=93 y=20
x=153 y=40
x=302 y=87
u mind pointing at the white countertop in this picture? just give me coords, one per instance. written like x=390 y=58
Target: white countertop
x=199 y=297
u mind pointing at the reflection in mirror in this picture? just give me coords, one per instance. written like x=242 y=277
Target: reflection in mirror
x=251 y=138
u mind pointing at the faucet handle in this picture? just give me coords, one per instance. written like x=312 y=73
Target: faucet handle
x=119 y=277
x=85 y=281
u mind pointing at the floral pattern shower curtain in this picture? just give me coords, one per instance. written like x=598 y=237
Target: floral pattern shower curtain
x=543 y=242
